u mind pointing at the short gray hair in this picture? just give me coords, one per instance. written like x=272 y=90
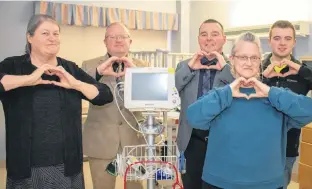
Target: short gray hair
x=118 y=23
x=32 y=26
x=247 y=37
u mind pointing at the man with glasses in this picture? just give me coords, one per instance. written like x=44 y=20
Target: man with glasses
x=105 y=131
x=194 y=78
x=281 y=69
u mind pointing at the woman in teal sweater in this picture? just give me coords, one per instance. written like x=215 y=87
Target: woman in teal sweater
x=248 y=123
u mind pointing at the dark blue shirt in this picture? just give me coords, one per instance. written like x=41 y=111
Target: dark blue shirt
x=206 y=77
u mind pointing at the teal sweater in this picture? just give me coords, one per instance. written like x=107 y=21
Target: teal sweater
x=247 y=140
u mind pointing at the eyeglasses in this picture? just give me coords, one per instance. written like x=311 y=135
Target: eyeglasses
x=119 y=37
x=253 y=59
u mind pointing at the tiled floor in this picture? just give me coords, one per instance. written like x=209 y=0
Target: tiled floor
x=88 y=180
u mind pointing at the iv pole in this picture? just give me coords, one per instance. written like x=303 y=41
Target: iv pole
x=150 y=148
x=150 y=130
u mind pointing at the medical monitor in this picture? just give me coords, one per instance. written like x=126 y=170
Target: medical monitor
x=150 y=89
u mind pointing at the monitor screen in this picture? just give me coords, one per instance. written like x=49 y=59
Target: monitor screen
x=149 y=86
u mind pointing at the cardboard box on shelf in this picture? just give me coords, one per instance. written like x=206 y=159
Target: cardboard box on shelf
x=305 y=161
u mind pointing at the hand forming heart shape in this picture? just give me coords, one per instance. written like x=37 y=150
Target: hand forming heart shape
x=195 y=63
x=273 y=70
x=261 y=89
x=106 y=67
x=291 y=67
x=66 y=79
x=281 y=69
x=246 y=83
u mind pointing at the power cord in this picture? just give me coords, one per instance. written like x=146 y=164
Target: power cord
x=140 y=126
x=162 y=141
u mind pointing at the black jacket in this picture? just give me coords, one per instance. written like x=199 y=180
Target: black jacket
x=17 y=105
x=300 y=84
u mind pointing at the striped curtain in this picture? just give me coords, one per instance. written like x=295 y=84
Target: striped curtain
x=82 y=15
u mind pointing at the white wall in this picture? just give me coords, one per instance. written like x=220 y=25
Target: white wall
x=245 y=12
x=256 y=12
x=203 y=10
x=79 y=43
x=12 y=42
x=185 y=25
x=180 y=41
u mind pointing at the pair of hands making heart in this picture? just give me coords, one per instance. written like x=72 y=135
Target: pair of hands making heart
x=66 y=80
x=270 y=71
x=195 y=63
x=106 y=68
x=262 y=90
